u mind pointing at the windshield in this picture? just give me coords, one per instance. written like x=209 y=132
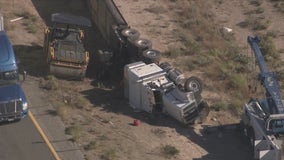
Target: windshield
x=9 y=77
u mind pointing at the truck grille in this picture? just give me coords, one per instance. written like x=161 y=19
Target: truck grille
x=11 y=108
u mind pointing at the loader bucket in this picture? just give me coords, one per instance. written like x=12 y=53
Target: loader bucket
x=67 y=72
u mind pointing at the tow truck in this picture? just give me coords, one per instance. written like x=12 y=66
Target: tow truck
x=263 y=119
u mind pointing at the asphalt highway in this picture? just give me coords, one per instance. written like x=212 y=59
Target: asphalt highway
x=21 y=141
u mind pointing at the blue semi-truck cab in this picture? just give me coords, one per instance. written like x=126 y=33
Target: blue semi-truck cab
x=13 y=102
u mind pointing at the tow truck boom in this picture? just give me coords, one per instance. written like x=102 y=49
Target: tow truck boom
x=267 y=79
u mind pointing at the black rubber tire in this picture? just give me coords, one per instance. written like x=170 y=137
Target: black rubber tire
x=193 y=84
x=165 y=66
x=141 y=46
x=130 y=33
x=143 y=43
x=151 y=56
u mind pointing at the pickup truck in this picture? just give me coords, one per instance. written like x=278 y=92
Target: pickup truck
x=13 y=102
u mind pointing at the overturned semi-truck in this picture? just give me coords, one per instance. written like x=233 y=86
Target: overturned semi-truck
x=149 y=85
x=154 y=89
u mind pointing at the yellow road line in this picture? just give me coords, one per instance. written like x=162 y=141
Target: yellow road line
x=54 y=153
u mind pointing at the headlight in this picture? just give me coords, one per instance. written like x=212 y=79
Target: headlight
x=25 y=106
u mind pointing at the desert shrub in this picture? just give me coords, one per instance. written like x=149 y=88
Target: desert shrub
x=280 y=5
x=241 y=63
x=191 y=45
x=272 y=34
x=62 y=110
x=92 y=145
x=169 y=151
x=75 y=131
x=103 y=137
x=158 y=132
x=29 y=21
x=157 y=9
x=31 y=28
x=219 y=105
x=173 y=52
x=256 y=2
x=203 y=60
x=261 y=24
x=81 y=101
x=237 y=81
x=268 y=48
x=109 y=154
x=259 y=10
x=218 y=53
x=186 y=63
x=255 y=23
x=50 y=83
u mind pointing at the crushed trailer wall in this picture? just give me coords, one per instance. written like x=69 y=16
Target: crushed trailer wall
x=108 y=20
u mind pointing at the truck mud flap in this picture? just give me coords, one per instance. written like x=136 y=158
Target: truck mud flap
x=67 y=72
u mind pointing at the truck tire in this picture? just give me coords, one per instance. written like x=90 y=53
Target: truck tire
x=165 y=66
x=193 y=84
x=130 y=33
x=151 y=56
x=142 y=45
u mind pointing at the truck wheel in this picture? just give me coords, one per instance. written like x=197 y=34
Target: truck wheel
x=165 y=66
x=143 y=43
x=130 y=33
x=151 y=56
x=193 y=84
